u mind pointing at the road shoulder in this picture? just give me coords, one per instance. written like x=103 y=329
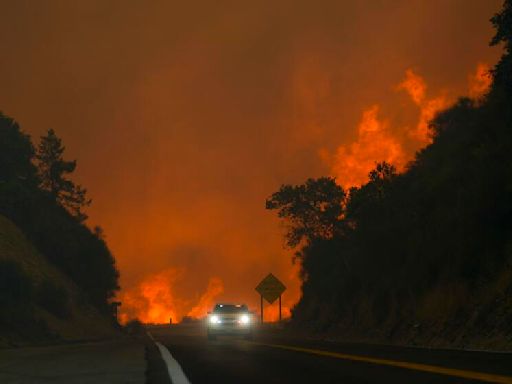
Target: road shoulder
x=114 y=361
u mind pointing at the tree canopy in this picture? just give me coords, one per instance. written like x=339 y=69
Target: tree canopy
x=48 y=207
x=53 y=171
x=401 y=246
x=16 y=153
x=312 y=209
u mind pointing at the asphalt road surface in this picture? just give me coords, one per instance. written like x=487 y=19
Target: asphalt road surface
x=116 y=361
x=271 y=358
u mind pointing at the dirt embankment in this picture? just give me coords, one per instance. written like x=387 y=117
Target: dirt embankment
x=39 y=303
x=448 y=316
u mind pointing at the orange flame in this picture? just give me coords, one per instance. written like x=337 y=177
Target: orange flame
x=154 y=301
x=352 y=163
x=271 y=312
x=206 y=302
x=480 y=81
x=415 y=86
x=376 y=141
x=428 y=110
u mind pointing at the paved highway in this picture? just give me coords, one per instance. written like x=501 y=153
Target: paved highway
x=271 y=358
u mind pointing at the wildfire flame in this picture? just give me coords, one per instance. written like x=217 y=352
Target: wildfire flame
x=215 y=288
x=416 y=87
x=271 y=312
x=480 y=81
x=428 y=111
x=375 y=142
x=378 y=141
x=154 y=301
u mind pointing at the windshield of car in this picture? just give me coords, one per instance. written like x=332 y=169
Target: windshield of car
x=230 y=308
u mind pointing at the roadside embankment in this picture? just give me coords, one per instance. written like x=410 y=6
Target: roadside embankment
x=38 y=303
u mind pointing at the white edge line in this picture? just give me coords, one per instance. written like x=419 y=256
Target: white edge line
x=173 y=367
x=175 y=372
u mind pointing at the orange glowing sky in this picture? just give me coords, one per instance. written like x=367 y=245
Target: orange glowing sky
x=185 y=117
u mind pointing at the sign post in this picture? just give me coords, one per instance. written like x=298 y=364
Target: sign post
x=261 y=308
x=279 y=308
x=114 y=307
x=270 y=289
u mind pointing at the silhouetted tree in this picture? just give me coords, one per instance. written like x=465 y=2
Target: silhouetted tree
x=502 y=22
x=99 y=232
x=46 y=209
x=18 y=175
x=446 y=221
x=311 y=210
x=16 y=153
x=53 y=170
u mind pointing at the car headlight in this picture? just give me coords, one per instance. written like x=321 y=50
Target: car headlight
x=214 y=319
x=244 y=319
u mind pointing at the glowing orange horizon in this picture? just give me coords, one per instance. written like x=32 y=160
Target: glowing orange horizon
x=154 y=299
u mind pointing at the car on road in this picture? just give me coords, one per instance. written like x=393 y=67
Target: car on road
x=229 y=319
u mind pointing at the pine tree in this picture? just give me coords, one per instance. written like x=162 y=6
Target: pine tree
x=53 y=170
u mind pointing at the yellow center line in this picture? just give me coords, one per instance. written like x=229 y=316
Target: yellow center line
x=471 y=375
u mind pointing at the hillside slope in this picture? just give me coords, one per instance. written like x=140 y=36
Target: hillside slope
x=55 y=310
x=422 y=256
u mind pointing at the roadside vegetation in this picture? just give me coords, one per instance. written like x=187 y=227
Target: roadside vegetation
x=424 y=256
x=38 y=195
x=40 y=303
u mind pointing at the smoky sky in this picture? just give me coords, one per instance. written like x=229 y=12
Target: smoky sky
x=185 y=116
